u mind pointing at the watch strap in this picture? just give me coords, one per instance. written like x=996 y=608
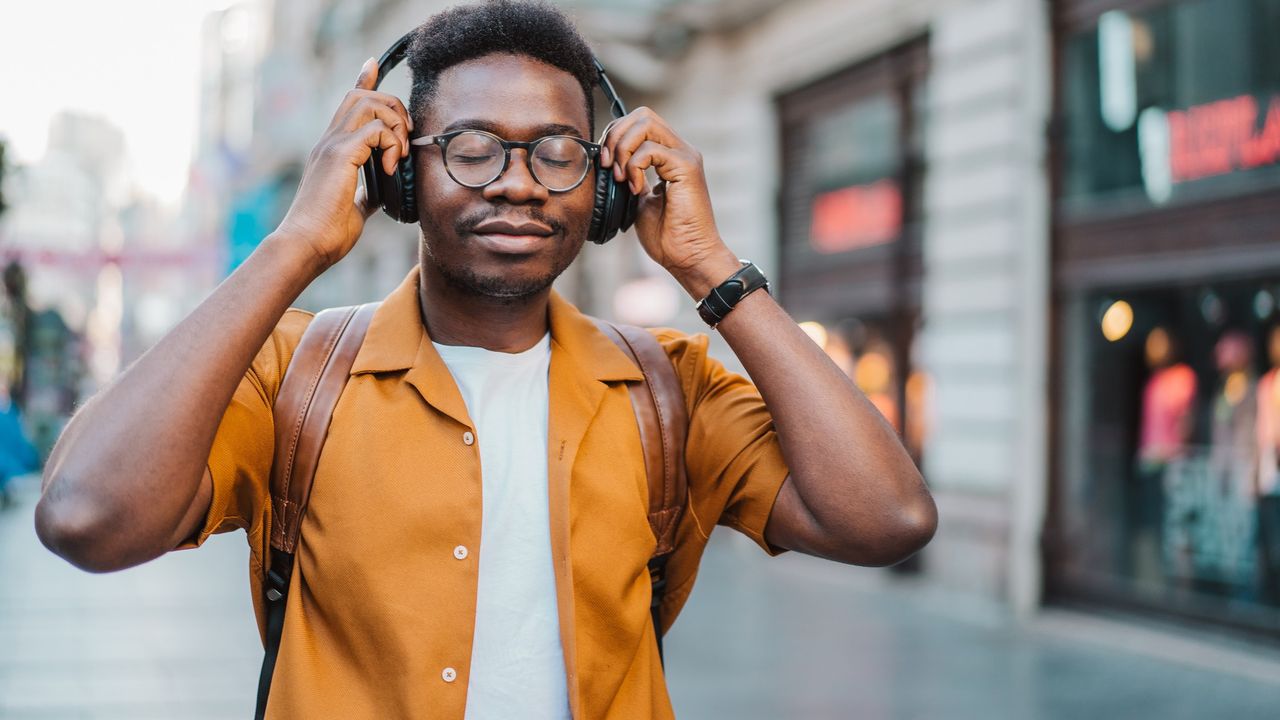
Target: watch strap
x=724 y=297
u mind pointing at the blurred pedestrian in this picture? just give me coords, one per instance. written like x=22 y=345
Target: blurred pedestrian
x=476 y=544
x=17 y=455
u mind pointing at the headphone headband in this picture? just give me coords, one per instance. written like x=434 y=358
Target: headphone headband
x=392 y=57
x=396 y=53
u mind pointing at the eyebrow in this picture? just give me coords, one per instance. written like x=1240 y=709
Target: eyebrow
x=538 y=131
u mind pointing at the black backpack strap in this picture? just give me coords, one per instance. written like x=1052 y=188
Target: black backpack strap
x=304 y=405
x=664 y=426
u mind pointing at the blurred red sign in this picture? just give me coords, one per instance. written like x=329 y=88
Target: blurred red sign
x=856 y=217
x=1222 y=137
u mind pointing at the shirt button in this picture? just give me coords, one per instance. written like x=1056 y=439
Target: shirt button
x=460 y=552
x=449 y=675
x=468 y=438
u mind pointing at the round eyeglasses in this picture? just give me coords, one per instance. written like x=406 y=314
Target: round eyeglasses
x=474 y=158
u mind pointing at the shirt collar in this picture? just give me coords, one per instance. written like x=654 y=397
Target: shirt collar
x=397 y=340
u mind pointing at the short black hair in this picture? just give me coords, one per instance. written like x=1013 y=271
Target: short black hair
x=516 y=27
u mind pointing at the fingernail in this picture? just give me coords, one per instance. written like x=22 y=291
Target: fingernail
x=604 y=156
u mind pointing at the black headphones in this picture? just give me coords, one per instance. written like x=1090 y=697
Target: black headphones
x=615 y=204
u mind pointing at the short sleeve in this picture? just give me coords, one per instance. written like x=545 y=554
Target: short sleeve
x=734 y=460
x=240 y=459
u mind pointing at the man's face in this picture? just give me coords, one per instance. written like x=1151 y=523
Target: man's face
x=513 y=237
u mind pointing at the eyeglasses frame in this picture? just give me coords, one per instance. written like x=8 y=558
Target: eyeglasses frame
x=442 y=141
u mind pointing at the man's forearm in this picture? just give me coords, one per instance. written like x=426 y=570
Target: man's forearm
x=124 y=472
x=854 y=494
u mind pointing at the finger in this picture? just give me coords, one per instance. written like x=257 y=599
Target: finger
x=613 y=132
x=666 y=161
x=388 y=100
x=375 y=134
x=366 y=81
x=646 y=128
x=362 y=201
x=363 y=113
x=606 y=154
x=356 y=96
x=368 y=77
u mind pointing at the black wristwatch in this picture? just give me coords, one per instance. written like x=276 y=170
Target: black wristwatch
x=716 y=305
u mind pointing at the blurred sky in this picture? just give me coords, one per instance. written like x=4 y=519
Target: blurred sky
x=134 y=62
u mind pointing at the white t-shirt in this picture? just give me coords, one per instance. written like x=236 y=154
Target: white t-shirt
x=517 y=663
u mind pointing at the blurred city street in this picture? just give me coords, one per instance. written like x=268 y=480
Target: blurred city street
x=760 y=640
x=1040 y=238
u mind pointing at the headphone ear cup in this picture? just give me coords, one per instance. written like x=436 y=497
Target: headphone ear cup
x=600 y=208
x=614 y=209
x=393 y=193
x=372 y=188
x=408 y=211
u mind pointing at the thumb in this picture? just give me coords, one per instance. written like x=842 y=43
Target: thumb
x=362 y=203
x=649 y=214
x=368 y=75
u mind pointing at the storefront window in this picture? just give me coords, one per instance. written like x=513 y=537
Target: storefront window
x=1166 y=279
x=1180 y=425
x=1175 y=103
x=855 y=163
x=853 y=152
x=867 y=350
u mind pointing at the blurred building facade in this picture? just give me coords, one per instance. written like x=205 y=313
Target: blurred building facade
x=61 y=304
x=888 y=160
x=1036 y=234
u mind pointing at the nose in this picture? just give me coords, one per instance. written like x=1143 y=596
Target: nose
x=517 y=184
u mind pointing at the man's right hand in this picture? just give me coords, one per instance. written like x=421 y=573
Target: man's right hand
x=330 y=208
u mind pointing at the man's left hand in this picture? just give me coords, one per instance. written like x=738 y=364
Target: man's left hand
x=676 y=224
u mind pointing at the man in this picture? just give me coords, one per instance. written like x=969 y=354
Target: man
x=476 y=540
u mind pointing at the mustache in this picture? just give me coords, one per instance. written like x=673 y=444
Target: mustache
x=467 y=222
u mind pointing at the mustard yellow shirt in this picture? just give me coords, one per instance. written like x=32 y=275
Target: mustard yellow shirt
x=381 y=609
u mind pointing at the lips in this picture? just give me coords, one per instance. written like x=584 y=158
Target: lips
x=506 y=227
x=507 y=236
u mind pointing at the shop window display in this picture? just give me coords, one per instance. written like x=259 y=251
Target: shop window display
x=864 y=350
x=853 y=150
x=1166 y=279
x=1182 y=432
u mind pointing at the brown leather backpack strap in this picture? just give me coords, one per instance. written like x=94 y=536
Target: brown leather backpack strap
x=316 y=376
x=664 y=425
x=663 y=420
x=309 y=392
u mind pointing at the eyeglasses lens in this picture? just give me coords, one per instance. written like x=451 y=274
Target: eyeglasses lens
x=476 y=159
x=559 y=163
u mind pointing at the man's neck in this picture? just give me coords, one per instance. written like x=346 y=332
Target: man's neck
x=455 y=317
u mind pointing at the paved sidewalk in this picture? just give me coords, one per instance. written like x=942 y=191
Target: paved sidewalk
x=761 y=639
x=174 y=638
x=795 y=637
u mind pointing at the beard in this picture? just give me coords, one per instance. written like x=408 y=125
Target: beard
x=508 y=288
